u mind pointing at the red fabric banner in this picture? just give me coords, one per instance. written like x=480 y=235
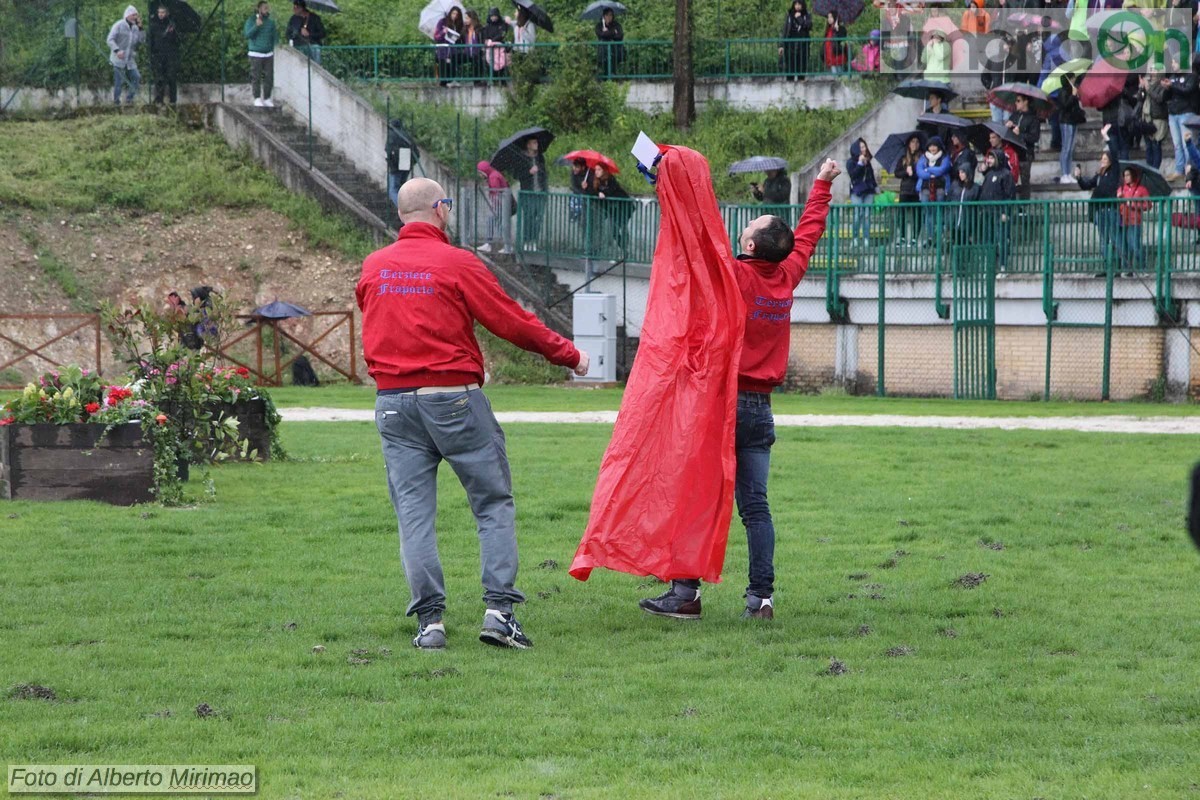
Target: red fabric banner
x=664 y=496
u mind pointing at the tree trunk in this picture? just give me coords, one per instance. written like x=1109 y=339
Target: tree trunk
x=685 y=73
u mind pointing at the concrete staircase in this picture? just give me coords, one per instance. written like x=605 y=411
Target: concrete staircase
x=295 y=136
x=281 y=141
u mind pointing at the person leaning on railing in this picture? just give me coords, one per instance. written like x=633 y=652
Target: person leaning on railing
x=999 y=190
x=1103 y=186
x=306 y=31
x=610 y=34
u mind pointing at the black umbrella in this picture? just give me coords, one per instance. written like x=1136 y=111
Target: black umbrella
x=596 y=10
x=847 y=10
x=509 y=152
x=1151 y=178
x=757 y=164
x=186 y=18
x=327 y=6
x=979 y=136
x=536 y=13
x=280 y=310
x=944 y=121
x=893 y=147
x=920 y=89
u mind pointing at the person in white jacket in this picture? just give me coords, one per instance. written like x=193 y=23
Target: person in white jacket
x=123 y=40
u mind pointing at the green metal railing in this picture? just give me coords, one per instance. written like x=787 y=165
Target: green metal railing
x=649 y=59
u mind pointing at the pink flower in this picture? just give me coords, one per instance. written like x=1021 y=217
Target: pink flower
x=7 y=421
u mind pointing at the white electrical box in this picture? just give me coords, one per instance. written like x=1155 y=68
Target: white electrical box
x=595 y=329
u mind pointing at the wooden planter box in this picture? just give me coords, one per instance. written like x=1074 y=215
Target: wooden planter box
x=252 y=424
x=76 y=462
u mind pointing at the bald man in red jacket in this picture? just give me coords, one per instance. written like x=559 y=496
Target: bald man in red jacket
x=420 y=299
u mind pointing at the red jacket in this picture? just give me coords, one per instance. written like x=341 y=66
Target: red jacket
x=420 y=298
x=767 y=287
x=1131 y=211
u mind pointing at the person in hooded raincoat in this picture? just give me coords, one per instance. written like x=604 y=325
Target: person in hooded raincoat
x=123 y=40
x=495 y=33
x=1131 y=212
x=797 y=30
x=773 y=262
x=499 y=197
x=863 y=187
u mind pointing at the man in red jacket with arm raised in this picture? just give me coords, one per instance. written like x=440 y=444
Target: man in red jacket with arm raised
x=420 y=298
x=773 y=260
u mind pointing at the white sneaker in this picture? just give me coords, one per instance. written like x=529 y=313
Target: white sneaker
x=258 y=102
x=1066 y=179
x=506 y=251
x=484 y=248
x=269 y=103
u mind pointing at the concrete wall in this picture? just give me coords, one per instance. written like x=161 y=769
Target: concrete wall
x=26 y=100
x=892 y=115
x=655 y=97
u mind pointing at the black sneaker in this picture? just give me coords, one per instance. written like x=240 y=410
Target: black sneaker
x=503 y=630
x=670 y=604
x=759 y=608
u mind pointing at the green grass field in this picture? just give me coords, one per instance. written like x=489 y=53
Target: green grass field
x=1072 y=671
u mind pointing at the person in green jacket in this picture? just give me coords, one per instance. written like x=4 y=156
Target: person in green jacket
x=262 y=36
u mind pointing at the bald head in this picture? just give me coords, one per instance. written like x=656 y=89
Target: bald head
x=415 y=202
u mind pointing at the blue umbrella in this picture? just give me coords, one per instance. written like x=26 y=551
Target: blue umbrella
x=757 y=164
x=280 y=310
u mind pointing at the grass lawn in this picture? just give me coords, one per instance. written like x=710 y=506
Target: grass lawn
x=579 y=398
x=1072 y=671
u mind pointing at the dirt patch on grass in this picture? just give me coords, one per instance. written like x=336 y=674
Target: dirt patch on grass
x=991 y=545
x=970 y=580
x=204 y=711
x=899 y=651
x=863 y=630
x=858 y=576
x=836 y=667
x=32 y=691
x=949 y=633
x=549 y=563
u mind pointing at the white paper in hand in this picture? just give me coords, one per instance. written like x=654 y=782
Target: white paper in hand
x=645 y=150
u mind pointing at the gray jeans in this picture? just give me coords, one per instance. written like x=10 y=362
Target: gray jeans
x=262 y=76
x=418 y=431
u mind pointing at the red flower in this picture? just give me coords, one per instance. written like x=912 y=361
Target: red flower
x=116 y=394
x=7 y=421
x=92 y=408
x=161 y=419
x=242 y=371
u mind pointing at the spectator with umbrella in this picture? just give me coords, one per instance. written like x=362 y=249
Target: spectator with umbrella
x=530 y=16
x=1026 y=125
x=963 y=223
x=994 y=74
x=447 y=34
x=123 y=40
x=863 y=187
x=1103 y=186
x=998 y=191
x=164 y=55
x=910 y=195
x=610 y=34
x=523 y=155
x=836 y=50
x=962 y=155
x=614 y=204
x=261 y=36
x=579 y=174
x=797 y=29
x=306 y=31
x=933 y=170
x=776 y=189
x=472 y=43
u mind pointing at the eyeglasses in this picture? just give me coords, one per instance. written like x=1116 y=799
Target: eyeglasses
x=448 y=202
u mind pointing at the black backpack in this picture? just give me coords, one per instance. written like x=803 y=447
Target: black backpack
x=303 y=373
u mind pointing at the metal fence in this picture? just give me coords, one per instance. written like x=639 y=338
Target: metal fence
x=650 y=59
x=924 y=279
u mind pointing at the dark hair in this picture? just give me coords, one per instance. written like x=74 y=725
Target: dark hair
x=774 y=241
x=300 y=4
x=259 y=4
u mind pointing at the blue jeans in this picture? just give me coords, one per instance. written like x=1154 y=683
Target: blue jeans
x=998 y=114
x=418 y=432
x=1175 y=121
x=1153 y=152
x=1107 y=222
x=128 y=76
x=313 y=51
x=755 y=435
x=1131 y=238
x=1068 y=148
x=862 y=216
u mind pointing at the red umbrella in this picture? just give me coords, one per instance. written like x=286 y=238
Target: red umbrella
x=1101 y=85
x=592 y=158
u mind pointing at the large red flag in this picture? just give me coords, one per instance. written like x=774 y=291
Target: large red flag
x=664 y=497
